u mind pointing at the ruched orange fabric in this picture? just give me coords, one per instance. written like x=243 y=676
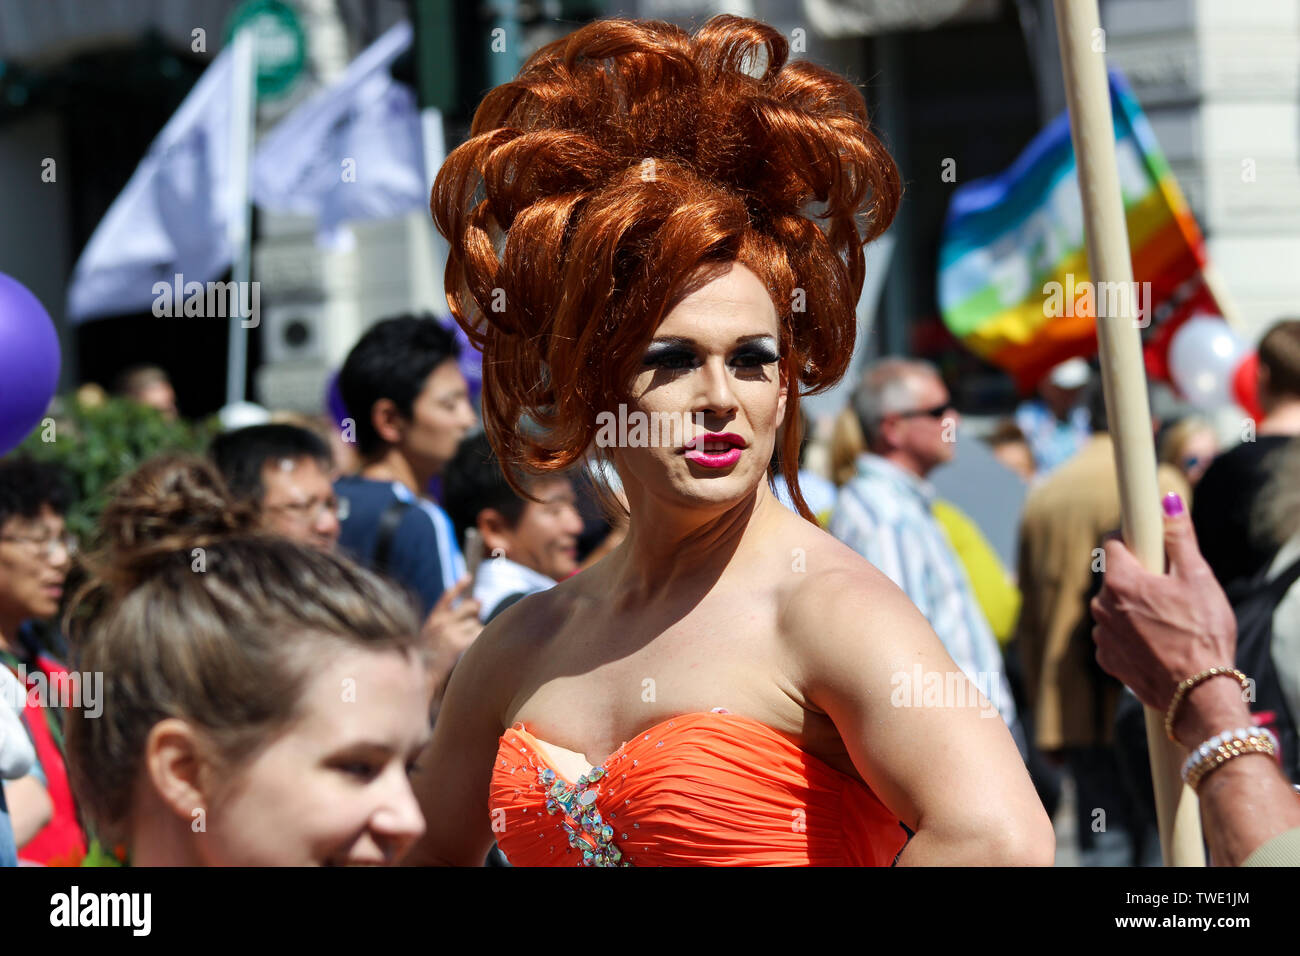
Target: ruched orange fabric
x=702 y=789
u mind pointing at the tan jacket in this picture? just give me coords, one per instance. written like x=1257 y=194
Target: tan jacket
x=1064 y=520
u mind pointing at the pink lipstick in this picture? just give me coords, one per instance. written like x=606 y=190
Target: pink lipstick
x=715 y=450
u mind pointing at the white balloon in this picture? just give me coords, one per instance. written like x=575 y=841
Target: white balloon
x=1202 y=357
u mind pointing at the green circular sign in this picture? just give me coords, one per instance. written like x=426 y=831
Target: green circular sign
x=281 y=44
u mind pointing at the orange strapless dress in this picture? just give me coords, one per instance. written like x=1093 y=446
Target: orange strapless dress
x=702 y=789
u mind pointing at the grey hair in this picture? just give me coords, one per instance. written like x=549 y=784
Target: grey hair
x=887 y=386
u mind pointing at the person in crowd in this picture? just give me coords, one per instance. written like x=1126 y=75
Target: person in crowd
x=1056 y=421
x=1189 y=444
x=744 y=693
x=16 y=760
x=1278 y=510
x=1228 y=491
x=265 y=712
x=1066 y=517
x=410 y=403
x=886 y=514
x=283 y=472
x=35 y=554
x=994 y=589
x=528 y=543
x=148 y=385
x=817 y=491
x=1158 y=633
x=847 y=444
x=1267 y=610
x=1011 y=448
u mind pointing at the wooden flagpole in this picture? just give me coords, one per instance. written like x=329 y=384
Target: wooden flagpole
x=1119 y=349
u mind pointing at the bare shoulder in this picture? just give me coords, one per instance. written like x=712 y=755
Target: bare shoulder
x=504 y=650
x=831 y=576
x=842 y=613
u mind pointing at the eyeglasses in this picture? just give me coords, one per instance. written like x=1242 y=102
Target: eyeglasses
x=46 y=544
x=309 y=512
x=936 y=413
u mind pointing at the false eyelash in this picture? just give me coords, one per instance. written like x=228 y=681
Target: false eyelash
x=665 y=358
x=670 y=358
x=765 y=356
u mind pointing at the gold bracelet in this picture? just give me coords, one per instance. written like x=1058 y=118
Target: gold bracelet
x=1191 y=682
x=1220 y=755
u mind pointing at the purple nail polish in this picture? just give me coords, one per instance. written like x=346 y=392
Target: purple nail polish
x=1173 y=504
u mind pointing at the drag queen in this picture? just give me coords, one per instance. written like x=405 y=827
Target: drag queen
x=652 y=223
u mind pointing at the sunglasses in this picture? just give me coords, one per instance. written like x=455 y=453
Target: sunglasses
x=936 y=412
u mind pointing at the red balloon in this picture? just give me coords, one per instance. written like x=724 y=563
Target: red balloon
x=1245 y=385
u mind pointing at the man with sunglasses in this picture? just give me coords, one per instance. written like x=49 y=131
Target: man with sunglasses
x=35 y=554
x=885 y=513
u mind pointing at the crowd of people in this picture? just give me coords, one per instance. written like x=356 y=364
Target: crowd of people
x=267 y=553
x=409 y=638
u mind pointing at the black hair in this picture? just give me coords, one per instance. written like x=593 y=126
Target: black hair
x=241 y=455
x=472 y=481
x=26 y=485
x=392 y=360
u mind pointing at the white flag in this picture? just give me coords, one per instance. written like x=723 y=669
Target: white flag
x=174 y=215
x=352 y=151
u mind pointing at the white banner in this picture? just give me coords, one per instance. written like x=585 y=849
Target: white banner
x=352 y=151
x=173 y=217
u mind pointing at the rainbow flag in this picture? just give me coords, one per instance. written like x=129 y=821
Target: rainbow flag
x=1013 y=280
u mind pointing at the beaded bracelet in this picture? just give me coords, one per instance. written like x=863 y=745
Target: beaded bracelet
x=1217 y=751
x=1189 y=683
x=1197 y=754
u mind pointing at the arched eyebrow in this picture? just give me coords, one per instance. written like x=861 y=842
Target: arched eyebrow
x=688 y=341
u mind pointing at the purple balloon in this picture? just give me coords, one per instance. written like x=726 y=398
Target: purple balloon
x=29 y=362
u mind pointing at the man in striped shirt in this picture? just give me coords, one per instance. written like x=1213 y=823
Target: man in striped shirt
x=885 y=514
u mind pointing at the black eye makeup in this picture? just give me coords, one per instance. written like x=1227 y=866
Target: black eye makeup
x=762 y=352
x=668 y=355
x=675 y=355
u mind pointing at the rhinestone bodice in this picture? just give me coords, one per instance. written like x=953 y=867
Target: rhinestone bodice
x=704 y=788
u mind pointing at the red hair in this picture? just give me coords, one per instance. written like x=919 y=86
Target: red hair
x=609 y=179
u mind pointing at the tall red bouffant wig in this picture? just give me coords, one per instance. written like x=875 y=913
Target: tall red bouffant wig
x=600 y=186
